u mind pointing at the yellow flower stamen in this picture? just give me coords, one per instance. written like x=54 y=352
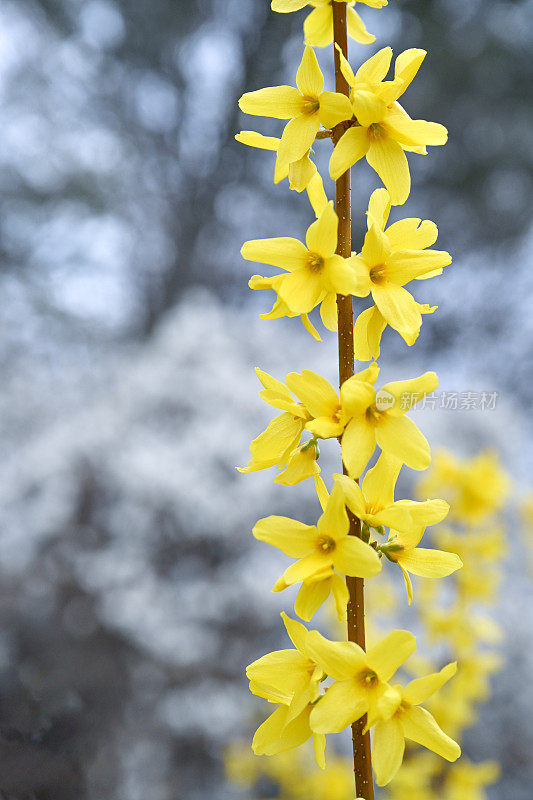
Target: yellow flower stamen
x=315 y=262
x=311 y=106
x=326 y=544
x=377 y=274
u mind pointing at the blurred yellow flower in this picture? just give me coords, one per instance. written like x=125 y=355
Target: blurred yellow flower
x=318 y=26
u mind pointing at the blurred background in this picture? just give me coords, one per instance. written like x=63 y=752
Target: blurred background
x=131 y=591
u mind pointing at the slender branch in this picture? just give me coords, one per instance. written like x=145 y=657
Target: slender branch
x=356 y=606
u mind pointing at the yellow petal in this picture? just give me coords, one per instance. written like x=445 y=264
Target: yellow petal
x=290 y=536
x=407 y=65
x=375 y=68
x=346 y=69
x=325 y=427
x=356 y=28
x=301 y=465
x=310 y=328
x=321 y=237
x=297 y=138
x=334 y=521
x=334 y=108
x=322 y=492
x=368 y=329
x=280 y=102
x=309 y=78
x=254 y=139
x=340 y=660
x=353 y=496
x=409 y=392
x=428 y=512
x=412 y=234
x=387 y=750
x=388 y=159
x=310 y=597
x=317 y=195
x=352 y=146
x=354 y=557
x=319 y=747
x=408 y=584
x=419 y=726
x=401 y=437
x=296 y=631
x=397 y=307
x=361 y=271
x=287 y=6
x=315 y=392
x=429 y=563
x=358 y=444
x=419 y=690
x=282 y=670
x=356 y=396
x=276 y=391
x=343 y=703
x=270 y=694
x=414 y=132
x=318 y=27
x=302 y=290
x=376 y=247
x=339 y=277
x=276 y=736
x=306 y=567
x=389 y=654
x=279 y=434
x=405 y=265
x=283 y=252
x=379 y=207
x=341 y=596
x=301 y=172
x=368 y=107
x=328 y=312
x=379 y=482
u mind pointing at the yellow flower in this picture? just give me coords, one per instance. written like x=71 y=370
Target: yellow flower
x=384 y=130
x=360 y=679
x=313 y=269
x=277 y=443
x=319 y=549
x=410 y=721
x=467 y=781
x=373 y=502
x=306 y=107
x=402 y=549
x=381 y=419
x=318 y=26
x=475 y=488
x=393 y=257
x=289 y=677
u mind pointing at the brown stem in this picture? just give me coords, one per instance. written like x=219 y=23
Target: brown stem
x=356 y=606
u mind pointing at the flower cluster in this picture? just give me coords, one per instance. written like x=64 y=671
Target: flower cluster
x=322 y=686
x=479 y=488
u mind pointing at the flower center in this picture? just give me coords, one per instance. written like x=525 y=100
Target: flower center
x=336 y=416
x=325 y=544
x=375 y=131
x=373 y=415
x=377 y=274
x=310 y=106
x=315 y=262
x=369 y=678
